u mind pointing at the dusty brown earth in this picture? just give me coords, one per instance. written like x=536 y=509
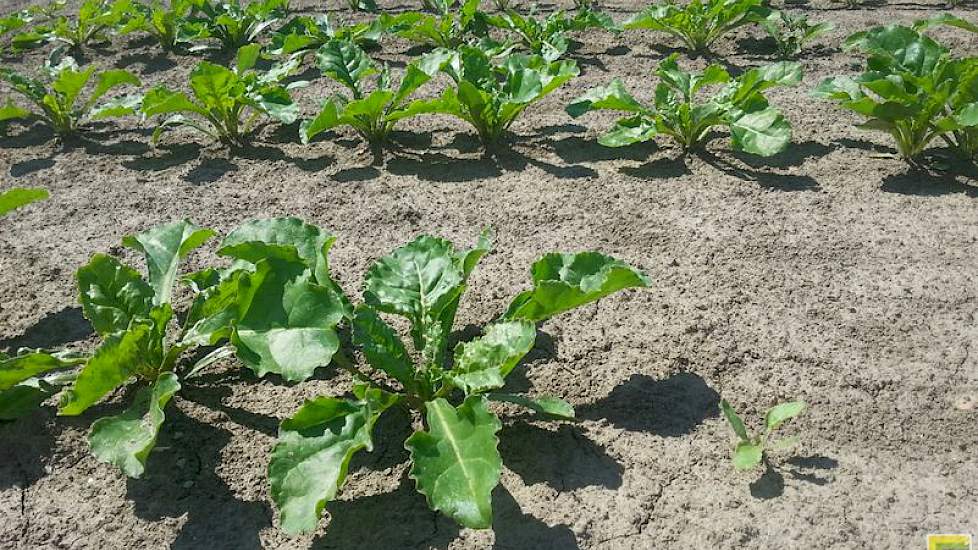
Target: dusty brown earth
x=830 y=273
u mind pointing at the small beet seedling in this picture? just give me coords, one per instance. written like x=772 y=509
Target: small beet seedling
x=282 y=311
x=751 y=452
x=755 y=126
x=57 y=98
x=791 y=32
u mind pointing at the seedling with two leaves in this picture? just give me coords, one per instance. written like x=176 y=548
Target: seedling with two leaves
x=57 y=98
x=371 y=112
x=133 y=316
x=227 y=103
x=912 y=89
x=750 y=452
x=232 y=23
x=283 y=312
x=791 y=32
x=699 y=24
x=490 y=95
x=755 y=126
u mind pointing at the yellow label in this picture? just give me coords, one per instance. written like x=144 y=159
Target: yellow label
x=948 y=542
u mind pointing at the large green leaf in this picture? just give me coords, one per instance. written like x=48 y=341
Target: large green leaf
x=898 y=48
x=455 y=463
x=114 y=362
x=15 y=370
x=613 y=97
x=346 y=63
x=287 y=324
x=20 y=196
x=763 y=133
x=418 y=280
x=565 y=281
x=309 y=462
x=164 y=247
x=483 y=363
x=382 y=346
x=125 y=440
x=112 y=294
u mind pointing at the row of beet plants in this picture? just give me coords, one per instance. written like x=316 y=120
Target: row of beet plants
x=276 y=308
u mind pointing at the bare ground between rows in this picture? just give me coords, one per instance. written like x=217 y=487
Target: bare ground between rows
x=830 y=273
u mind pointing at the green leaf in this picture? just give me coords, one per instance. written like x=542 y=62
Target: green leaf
x=735 y=422
x=327 y=119
x=763 y=133
x=112 y=294
x=20 y=196
x=23 y=399
x=107 y=80
x=309 y=462
x=562 y=282
x=125 y=440
x=484 y=363
x=747 y=455
x=10 y=111
x=778 y=414
x=164 y=247
x=545 y=405
x=382 y=347
x=613 y=97
x=287 y=324
x=346 y=63
x=456 y=464
x=247 y=57
x=161 y=101
x=15 y=370
x=114 y=362
x=418 y=281
x=628 y=131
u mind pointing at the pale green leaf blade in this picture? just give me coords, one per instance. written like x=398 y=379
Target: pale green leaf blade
x=778 y=414
x=114 y=362
x=164 y=247
x=484 y=363
x=15 y=370
x=112 y=294
x=565 y=281
x=125 y=440
x=747 y=455
x=20 y=196
x=763 y=133
x=614 y=97
x=456 y=464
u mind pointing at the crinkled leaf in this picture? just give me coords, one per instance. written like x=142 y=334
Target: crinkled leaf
x=112 y=294
x=566 y=281
x=125 y=440
x=382 y=346
x=114 y=362
x=310 y=459
x=164 y=247
x=346 y=63
x=484 y=363
x=455 y=463
x=763 y=133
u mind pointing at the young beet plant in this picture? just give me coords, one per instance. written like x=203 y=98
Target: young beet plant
x=699 y=24
x=450 y=29
x=227 y=102
x=548 y=37
x=372 y=114
x=133 y=317
x=912 y=90
x=791 y=32
x=454 y=459
x=491 y=96
x=306 y=34
x=164 y=22
x=57 y=99
x=751 y=452
x=232 y=24
x=95 y=20
x=755 y=126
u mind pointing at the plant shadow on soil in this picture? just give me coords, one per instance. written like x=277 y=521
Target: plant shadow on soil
x=54 y=330
x=925 y=183
x=803 y=468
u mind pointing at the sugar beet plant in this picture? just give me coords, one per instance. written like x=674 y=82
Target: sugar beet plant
x=699 y=23
x=912 y=89
x=755 y=126
x=490 y=95
x=133 y=317
x=751 y=451
x=57 y=98
x=95 y=21
x=791 y=32
x=548 y=37
x=226 y=103
x=450 y=29
x=454 y=459
x=165 y=22
x=371 y=112
x=233 y=24
x=307 y=34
